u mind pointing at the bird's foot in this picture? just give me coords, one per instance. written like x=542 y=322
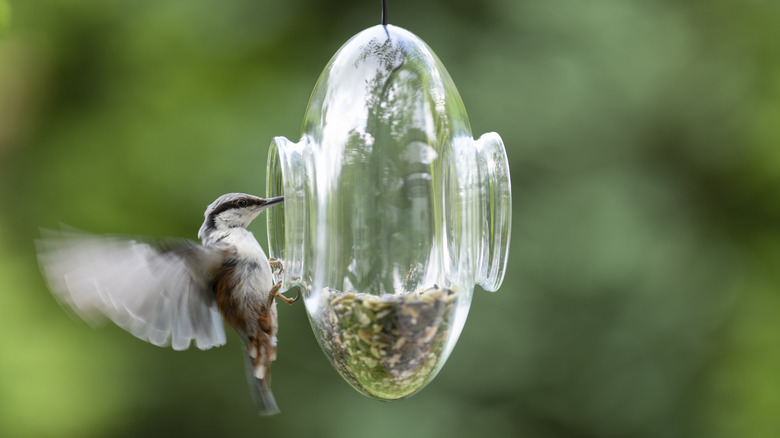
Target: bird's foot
x=289 y=300
x=274 y=292
x=276 y=266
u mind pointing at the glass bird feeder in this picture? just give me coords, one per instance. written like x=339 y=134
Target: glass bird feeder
x=392 y=212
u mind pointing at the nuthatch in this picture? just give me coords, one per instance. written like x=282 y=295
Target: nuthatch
x=172 y=293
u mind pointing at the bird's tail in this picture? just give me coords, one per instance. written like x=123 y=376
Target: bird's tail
x=260 y=388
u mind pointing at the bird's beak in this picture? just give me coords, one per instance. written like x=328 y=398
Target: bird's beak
x=273 y=201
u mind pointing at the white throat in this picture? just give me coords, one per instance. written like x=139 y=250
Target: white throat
x=242 y=240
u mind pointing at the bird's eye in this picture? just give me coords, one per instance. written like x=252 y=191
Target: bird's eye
x=241 y=203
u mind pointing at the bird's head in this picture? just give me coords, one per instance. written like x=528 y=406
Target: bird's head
x=234 y=210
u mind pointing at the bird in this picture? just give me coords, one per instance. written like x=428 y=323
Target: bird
x=177 y=292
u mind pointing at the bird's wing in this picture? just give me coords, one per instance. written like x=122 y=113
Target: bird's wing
x=159 y=293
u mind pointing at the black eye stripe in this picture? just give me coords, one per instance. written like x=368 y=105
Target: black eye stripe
x=237 y=203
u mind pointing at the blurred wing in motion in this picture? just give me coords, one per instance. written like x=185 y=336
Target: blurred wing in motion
x=159 y=293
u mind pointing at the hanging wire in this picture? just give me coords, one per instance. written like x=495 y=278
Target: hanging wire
x=384 y=12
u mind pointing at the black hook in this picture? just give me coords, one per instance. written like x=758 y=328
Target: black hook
x=384 y=13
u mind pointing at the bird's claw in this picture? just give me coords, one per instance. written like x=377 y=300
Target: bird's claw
x=287 y=300
x=276 y=266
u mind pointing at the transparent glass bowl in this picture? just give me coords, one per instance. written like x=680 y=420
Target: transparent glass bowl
x=392 y=212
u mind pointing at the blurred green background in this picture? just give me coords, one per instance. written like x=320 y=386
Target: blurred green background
x=641 y=298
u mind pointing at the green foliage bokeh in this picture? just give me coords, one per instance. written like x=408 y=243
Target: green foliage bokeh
x=641 y=297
